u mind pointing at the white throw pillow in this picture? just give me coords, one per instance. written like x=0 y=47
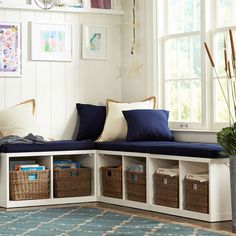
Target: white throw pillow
x=19 y=120
x=115 y=127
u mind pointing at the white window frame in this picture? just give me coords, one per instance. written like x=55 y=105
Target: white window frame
x=163 y=36
x=214 y=31
x=208 y=28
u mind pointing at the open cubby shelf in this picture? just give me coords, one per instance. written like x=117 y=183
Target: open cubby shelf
x=219 y=189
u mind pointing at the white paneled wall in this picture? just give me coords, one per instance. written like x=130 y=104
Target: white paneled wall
x=134 y=82
x=58 y=86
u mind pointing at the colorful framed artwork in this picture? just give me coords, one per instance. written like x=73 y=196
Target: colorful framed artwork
x=95 y=42
x=102 y=4
x=10 y=49
x=51 y=42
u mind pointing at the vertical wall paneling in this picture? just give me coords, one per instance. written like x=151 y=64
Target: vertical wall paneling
x=106 y=83
x=12 y=85
x=58 y=86
x=86 y=72
x=134 y=82
x=43 y=83
x=101 y=82
x=28 y=80
x=72 y=78
x=2 y=80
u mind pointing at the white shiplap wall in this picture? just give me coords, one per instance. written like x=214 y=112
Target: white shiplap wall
x=58 y=86
x=134 y=82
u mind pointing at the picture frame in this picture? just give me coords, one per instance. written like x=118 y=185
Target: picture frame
x=95 y=42
x=72 y=3
x=10 y=49
x=51 y=42
x=102 y=4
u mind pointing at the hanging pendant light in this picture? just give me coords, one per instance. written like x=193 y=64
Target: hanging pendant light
x=46 y=4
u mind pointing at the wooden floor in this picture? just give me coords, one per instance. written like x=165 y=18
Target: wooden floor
x=225 y=226
x=222 y=226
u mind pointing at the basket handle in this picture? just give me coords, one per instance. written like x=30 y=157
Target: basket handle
x=74 y=173
x=164 y=180
x=134 y=177
x=195 y=186
x=109 y=173
x=32 y=177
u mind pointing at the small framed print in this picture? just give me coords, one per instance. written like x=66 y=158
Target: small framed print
x=10 y=49
x=51 y=42
x=102 y=4
x=95 y=42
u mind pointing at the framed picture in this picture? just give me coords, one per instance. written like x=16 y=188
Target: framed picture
x=103 y=4
x=10 y=49
x=95 y=42
x=51 y=42
x=72 y=3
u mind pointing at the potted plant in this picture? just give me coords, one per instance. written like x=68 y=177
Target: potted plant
x=226 y=137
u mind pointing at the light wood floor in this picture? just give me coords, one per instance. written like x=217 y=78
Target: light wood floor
x=225 y=226
x=222 y=226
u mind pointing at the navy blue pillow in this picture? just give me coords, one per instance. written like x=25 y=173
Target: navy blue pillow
x=91 y=121
x=148 y=125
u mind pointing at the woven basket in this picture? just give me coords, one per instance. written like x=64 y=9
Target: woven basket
x=112 y=182
x=72 y=182
x=22 y=188
x=167 y=190
x=196 y=195
x=136 y=186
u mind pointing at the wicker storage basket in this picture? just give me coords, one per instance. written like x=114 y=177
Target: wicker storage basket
x=72 y=182
x=112 y=182
x=136 y=186
x=24 y=187
x=167 y=190
x=196 y=196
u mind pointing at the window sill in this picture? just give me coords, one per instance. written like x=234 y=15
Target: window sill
x=188 y=135
x=195 y=131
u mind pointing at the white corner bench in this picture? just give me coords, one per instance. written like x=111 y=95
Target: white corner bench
x=219 y=182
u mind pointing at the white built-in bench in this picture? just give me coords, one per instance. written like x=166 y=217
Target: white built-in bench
x=191 y=158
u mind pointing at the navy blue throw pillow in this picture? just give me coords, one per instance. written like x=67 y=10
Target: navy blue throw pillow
x=148 y=125
x=91 y=121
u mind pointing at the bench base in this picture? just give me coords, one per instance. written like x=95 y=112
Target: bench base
x=219 y=181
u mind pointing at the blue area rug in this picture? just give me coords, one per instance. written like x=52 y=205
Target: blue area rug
x=86 y=221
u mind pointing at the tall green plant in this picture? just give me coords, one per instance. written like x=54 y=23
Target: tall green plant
x=227 y=139
x=227 y=136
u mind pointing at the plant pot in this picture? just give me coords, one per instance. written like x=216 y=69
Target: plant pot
x=232 y=160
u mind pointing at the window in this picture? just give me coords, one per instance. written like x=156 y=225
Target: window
x=182 y=61
x=190 y=90
x=224 y=20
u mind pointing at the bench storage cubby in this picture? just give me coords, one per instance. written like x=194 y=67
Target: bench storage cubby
x=23 y=187
x=196 y=195
x=136 y=186
x=112 y=182
x=167 y=190
x=72 y=182
x=190 y=158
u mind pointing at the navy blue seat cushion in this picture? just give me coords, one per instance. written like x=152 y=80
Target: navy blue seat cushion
x=91 y=121
x=64 y=145
x=166 y=148
x=185 y=149
x=123 y=146
x=148 y=125
x=153 y=147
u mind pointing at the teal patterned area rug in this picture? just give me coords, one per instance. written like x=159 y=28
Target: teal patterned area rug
x=88 y=221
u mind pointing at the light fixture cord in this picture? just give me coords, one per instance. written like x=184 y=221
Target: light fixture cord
x=134 y=27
